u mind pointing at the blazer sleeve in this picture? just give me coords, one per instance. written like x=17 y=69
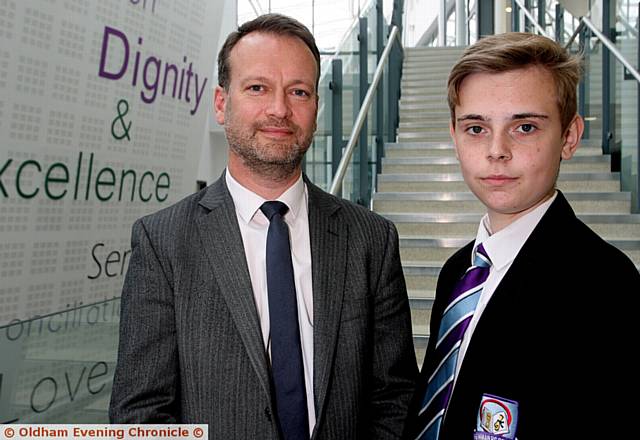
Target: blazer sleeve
x=145 y=387
x=394 y=362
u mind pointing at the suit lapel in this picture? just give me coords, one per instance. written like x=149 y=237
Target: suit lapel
x=328 y=237
x=222 y=243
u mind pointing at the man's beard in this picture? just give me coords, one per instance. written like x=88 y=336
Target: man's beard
x=276 y=161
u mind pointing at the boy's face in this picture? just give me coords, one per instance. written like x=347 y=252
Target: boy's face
x=509 y=140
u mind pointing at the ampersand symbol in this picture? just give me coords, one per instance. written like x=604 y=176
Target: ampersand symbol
x=120 y=117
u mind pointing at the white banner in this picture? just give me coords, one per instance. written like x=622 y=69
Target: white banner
x=102 y=119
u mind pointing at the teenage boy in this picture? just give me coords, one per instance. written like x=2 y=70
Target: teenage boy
x=531 y=326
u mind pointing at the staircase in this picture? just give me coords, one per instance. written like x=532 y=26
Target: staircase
x=422 y=191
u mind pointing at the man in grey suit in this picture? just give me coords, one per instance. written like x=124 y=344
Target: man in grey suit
x=201 y=334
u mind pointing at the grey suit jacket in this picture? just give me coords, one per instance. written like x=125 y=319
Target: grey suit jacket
x=191 y=348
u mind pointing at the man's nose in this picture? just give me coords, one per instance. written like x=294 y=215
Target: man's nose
x=279 y=105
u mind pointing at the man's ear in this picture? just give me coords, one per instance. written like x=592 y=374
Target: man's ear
x=219 y=103
x=572 y=136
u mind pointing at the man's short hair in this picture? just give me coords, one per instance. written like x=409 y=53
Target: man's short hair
x=518 y=50
x=276 y=24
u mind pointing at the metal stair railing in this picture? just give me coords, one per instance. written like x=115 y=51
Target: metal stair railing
x=531 y=18
x=336 y=184
x=344 y=82
x=587 y=25
x=585 y=29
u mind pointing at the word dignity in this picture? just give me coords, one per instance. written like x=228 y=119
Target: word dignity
x=179 y=82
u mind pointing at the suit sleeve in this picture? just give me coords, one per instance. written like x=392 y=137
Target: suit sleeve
x=145 y=387
x=394 y=362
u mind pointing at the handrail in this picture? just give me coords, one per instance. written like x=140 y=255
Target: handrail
x=336 y=184
x=432 y=31
x=327 y=63
x=628 y=26
x=584 y=21
x=532 y=19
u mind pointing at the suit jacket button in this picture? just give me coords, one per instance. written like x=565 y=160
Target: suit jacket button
x=267 y=412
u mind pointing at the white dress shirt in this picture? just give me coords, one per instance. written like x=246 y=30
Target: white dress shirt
x=253 y=228
x=502 y=248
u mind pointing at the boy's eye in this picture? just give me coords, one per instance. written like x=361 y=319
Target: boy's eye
x=526 y=128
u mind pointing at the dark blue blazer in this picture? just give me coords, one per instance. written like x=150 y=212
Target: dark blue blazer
x=558 y=336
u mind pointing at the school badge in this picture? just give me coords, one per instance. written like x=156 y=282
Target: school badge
x=497 y=419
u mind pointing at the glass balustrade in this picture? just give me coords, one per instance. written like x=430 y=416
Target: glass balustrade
x=626 y=88
x=58 y=368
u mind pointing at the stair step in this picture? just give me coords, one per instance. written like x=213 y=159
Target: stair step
x=424 y=70
x=419 y=150
x=420 y=341
x=442 y=136
x=451 y=56
x=430 y=149
x=425 y=82
x=437 y=123
x=610 y=226
x=425 y=50
x=421 y=275
x=407 y=115
x=425 y=248
x=421 y=298
x=450 y=164
x=563 y=185
x=587 y=159
x=423 y=106
x=431 y=248
x=460 y=202
x=435 y=90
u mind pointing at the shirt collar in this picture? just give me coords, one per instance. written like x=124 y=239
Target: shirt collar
x=248 y=203
x=503 y=246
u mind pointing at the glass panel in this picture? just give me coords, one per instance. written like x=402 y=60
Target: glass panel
x=472 y=22
x=318 y=165
x=627 y=97
x=593 y=98
x=59 y=368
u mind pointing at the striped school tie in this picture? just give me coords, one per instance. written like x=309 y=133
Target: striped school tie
x=455 y=320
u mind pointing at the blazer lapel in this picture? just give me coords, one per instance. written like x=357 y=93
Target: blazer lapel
x=328 y=237
x=549 y=232
x=222 y=243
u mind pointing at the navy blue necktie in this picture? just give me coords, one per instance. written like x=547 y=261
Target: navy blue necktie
x=286 y=351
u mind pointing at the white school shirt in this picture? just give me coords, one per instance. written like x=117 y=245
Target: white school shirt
x=502 y=248
x=253 y=228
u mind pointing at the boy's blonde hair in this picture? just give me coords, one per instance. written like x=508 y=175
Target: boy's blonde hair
x=517 y=50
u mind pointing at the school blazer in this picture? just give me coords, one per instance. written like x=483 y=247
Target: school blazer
x=191 y=349
x=557 y=336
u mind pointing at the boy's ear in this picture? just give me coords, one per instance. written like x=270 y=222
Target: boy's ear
x=572 y=137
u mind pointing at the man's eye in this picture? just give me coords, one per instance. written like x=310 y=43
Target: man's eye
x=301 y=93
x=475 y=129
x=256 y=88
x=526 y=128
